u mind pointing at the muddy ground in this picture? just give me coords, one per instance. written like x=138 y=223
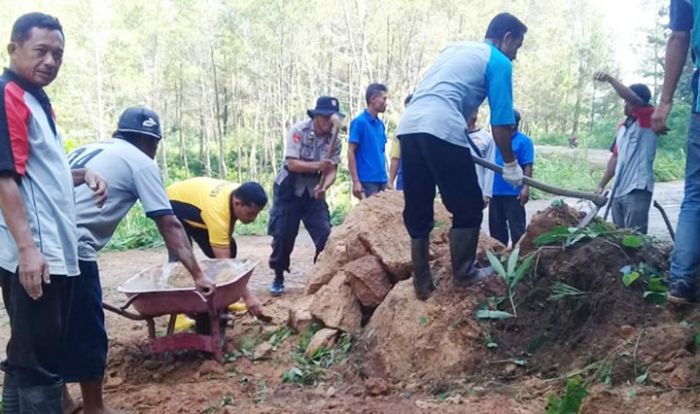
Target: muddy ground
x=641 y=338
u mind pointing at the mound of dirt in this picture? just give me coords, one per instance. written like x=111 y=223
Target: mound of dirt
x=428 y=340
x=542 y=222
x=608 y=328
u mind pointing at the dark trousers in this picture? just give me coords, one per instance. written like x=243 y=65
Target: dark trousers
x=506 y=213
x=286 y=214
x=85 y=356
x=631 y=211
x=427 y=162
x=37 y=331
x=372 y=188
x=200 y=236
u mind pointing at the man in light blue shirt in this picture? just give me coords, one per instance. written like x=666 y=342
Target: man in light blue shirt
x=367 y=143
x=435 y=146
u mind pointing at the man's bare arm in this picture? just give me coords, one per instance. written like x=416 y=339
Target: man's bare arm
x=176 y=241
x=676 y=53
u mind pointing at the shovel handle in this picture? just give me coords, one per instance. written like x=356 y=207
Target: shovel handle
x=597 y=199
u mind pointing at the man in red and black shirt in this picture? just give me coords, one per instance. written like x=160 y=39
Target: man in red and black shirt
x=632 y=159
x=38 y=235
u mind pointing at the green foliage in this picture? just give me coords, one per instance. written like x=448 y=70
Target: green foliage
x=136 y=231
x=634 y=241
x=561 y=290
x=492 y=314
x=655 y=290
x=512 y=274
x=564 y=172
x=568 y=236
x=570 y=401
x=310 y=370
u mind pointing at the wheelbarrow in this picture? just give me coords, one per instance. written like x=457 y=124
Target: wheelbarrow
x=165 y=290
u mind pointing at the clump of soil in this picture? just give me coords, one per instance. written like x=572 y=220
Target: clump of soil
x=557 y=215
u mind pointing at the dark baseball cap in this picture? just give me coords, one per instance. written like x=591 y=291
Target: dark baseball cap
x=140 y=120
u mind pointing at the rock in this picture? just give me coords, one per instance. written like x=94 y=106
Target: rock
x=368 y=281
x=114 y=382
x=341 y=248
x=670 y=366
x=262 y=351
x=392 y=247
x=300 y=318
x=510 y=369
x=627 y=331
x=681 y=377
x=407 y=337
x=210 y=367
x=324 y=338
x=376 y=386
x=336 y=306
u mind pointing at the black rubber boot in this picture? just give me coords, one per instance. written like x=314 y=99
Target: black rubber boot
x=42 y=400
x=463 y=244
x=10 y=395
x=422 y=278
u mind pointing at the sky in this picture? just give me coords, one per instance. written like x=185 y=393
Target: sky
x=626 y=20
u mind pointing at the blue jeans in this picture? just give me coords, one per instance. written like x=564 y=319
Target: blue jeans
x=686 y=251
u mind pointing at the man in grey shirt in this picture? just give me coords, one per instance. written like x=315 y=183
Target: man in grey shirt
x=127 y=163
x=632 y=159
x=38 y=244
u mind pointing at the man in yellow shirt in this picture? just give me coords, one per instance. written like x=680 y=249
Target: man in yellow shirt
x=209 y=208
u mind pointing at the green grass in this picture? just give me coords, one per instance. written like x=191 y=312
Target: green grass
x=564 y=172
x=135 y=231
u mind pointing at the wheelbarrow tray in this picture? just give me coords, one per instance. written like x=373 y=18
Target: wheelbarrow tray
x=150 y=294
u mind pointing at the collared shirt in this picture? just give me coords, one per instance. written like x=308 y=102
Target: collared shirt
x=131 y=175
x=368 y=132
x=524 y=152
x=209 y=202
x=635 y=145
x=455 y=86
x=303 y=144
x=32 y=150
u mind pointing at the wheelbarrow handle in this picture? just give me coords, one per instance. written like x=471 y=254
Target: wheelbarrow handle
x=121 y=311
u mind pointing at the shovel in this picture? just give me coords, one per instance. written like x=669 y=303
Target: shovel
x=598 y=199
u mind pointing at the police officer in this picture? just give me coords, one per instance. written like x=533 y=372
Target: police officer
x=312 y=153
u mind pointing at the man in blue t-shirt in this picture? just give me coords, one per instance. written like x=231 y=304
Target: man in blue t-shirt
x=507 y=207
x=435 y=147
x=366 y=152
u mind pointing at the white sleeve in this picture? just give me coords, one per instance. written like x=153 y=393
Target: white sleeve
x=490 y=155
